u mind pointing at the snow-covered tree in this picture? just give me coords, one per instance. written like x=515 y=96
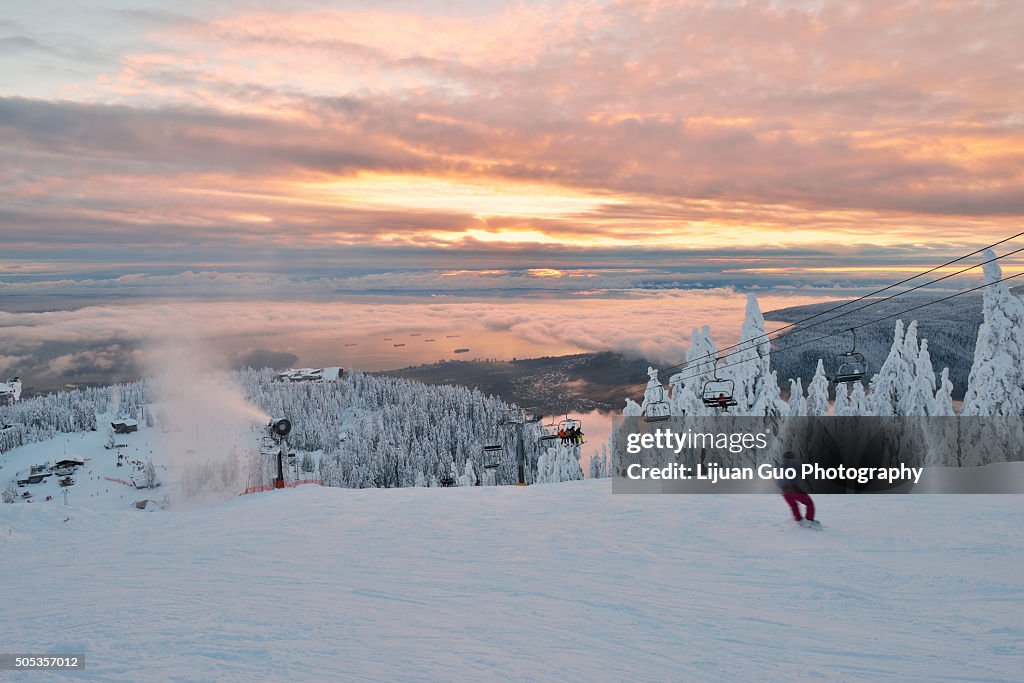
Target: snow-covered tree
x=700 y=363
x=655 y=403
x=685 y=397
x=942 y=428
x=632 y=409
x=858 y=401
x=700 y=357
x=797 y=402
x=9 y=494
x=757 y=387
x=559 y=463
x=817 y=392
x=996 y=382
x=921 y=398
x=599 y=467
x=842 y=400
x=891 y=385
x=149 y=478
x=307 y=463
x=468 y=477
x=944 y=396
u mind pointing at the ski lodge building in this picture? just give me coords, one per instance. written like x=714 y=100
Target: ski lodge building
x=10 y=392
x=309 y=375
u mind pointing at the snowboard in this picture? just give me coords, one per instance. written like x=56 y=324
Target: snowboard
x=809 y=524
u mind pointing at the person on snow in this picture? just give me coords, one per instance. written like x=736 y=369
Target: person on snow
x=795 y=496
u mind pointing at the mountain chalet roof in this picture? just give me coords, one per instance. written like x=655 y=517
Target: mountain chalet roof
x=125 y=425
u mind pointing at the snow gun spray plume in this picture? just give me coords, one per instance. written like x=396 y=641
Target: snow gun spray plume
x=206 y=422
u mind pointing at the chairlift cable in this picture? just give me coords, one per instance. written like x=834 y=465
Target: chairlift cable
x=874 y=302
x=870 y=322
x=879 y=291
x=708 y=357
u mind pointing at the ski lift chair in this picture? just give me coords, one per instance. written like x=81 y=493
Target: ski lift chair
x=549 y=430
x=718 y=392
x=570 y=423
x=657 y=411
x=851 y=366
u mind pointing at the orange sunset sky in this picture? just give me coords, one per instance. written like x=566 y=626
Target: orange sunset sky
x=238 y=130
x=450 y=148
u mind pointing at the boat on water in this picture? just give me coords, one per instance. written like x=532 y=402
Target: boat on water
x=428 y=340
x=461 y=350
x=397 y=345
x=452 y=336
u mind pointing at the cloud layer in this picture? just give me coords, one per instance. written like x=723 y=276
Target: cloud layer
x=100 y=343
x=253 y=132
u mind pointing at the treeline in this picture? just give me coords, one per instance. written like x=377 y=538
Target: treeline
x=43 y=417
x=386 y=432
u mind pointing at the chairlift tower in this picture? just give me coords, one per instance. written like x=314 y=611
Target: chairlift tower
x=525 y=416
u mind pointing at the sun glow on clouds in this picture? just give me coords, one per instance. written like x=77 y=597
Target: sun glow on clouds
x=482 y=198
x=448 y=128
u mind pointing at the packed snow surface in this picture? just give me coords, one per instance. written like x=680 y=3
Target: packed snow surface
x=559 y=582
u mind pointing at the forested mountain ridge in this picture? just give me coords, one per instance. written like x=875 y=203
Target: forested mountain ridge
x=951 y=328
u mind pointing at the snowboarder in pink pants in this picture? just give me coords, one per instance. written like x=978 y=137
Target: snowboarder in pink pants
x=795 y=496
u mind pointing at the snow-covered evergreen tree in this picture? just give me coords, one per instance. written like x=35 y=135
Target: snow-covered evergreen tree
x=757 y=387
x=599 y=467
x=149 y=478
x=858 y=401
x=632 y=409
x=944 y=396
x=996 y=382
x=654 y=403
x=891 y=385
x=559 y=463
x=841 y=404
x=797 y=402
x=700 y=363
x=468 y=477
x=817 y=392
x=921 y=397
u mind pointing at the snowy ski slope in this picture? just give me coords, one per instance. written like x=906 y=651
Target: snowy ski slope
x=562 y=582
